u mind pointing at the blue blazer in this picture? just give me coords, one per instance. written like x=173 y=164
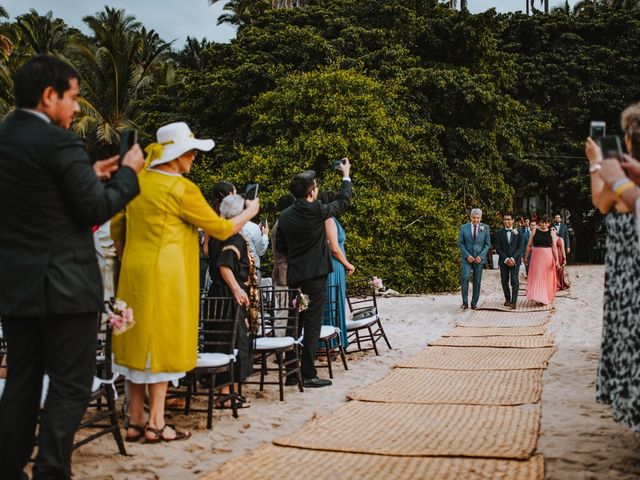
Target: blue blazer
x=480 y=247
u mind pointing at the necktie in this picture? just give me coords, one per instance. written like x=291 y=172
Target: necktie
x=475 y=233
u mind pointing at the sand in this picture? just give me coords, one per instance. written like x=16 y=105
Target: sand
x=578 y=436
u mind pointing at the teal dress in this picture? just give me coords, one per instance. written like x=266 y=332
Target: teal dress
x=338 y=277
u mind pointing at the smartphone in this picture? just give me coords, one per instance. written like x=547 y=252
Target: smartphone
x=336 y=164
x=611 y=147
x=251 y=191
x=597 y=130
x=128 y=138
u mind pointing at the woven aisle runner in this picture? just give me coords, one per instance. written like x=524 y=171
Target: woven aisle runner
x=505 y=319
x=496 y=331
x=499 y=387
x=466 y=408
x=480 y=358
x=537 y=341
x=400 y=429
x=523 y=305
x=270 y=461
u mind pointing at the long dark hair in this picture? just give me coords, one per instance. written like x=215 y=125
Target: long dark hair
x=218 y=192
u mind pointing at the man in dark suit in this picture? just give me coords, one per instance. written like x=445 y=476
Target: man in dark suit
x=509 y=247
x=301 y=237
x=563 y=232
x=50 y=284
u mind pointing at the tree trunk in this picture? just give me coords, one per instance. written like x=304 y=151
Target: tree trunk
x=546 y=6
x=527 y=4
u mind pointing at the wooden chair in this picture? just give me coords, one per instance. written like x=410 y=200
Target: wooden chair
x=279 y=312
x=365 y=325
x=330 y=335
x=101 y=413
x=218 y=330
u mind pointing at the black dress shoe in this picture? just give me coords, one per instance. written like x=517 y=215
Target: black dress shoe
x=473 y=307
x=507 y=304
x=464 y=306
x=513 y=306
x=315 y=383
x=291 y=381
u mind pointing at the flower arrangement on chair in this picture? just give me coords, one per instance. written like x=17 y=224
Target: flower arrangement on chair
x=304 y=302
x=377 y=284
x=120 y=316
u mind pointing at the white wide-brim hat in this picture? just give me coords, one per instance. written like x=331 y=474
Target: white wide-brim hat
x=172 y=141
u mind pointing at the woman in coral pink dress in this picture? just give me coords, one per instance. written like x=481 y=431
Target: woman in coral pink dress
x=542 y=280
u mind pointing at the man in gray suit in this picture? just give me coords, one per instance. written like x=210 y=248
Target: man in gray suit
x=474 y=241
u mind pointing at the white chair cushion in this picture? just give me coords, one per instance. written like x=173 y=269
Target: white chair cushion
x=328 y=331
x=354 y=325
x=206 y=360
x=270 y=343
x=2 y=381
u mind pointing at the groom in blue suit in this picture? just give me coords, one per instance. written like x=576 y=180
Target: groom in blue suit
x=474 y=241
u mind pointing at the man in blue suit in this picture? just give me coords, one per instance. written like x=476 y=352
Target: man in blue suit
x=562 y=231
x=474 y=241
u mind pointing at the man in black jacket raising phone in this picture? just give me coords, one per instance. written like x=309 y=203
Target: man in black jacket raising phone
x=50 y=284
x=301 y=237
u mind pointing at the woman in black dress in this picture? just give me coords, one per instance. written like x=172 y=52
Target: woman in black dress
x=233 y=274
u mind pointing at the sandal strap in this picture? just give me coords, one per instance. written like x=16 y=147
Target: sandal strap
x=137 y=428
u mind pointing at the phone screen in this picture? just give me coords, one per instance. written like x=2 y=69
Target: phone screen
x=597 y=130
x=251 y=191
x=611 y=147
x=128 y=138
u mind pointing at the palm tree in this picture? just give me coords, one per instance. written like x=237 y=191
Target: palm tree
x=454 y=3
x=3 y=12
x=122 y=62
x=242 y=12
x=41 y=33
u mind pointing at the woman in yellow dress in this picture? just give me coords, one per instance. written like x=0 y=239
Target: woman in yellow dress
x=159 y=277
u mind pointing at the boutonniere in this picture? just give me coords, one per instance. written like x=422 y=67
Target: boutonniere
x=482 y=228
x=515 y=232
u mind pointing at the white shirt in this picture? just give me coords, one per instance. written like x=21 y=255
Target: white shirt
x=509 y=233
x=258 y=243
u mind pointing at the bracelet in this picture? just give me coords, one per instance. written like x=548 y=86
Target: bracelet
x=619 y=182
x=625 y=186
x=595 y=167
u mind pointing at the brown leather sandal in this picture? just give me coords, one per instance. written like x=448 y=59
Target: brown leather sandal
x=159 y=434
x=137 y=436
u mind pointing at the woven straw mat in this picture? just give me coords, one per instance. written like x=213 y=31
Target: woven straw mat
x=492 y=387
x=536 y=341
x=480 y=358
x=498 y=319
x=295 y=463
x=400 y=429
x=496 y=331
x=522 y=305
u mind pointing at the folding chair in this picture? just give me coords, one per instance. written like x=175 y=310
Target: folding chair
x=219 y=318
x=365 y=325
x=279 y=312
x=330 y=335
x=103 y=418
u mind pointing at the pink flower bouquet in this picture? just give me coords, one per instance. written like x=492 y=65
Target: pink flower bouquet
x=120 y=316
x=377 y=284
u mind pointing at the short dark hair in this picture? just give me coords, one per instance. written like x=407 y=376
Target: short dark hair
x=302 y=183
x=285 y=202
x=218 y=193
x=507 y=214
x=543 y=219
x=36 y=75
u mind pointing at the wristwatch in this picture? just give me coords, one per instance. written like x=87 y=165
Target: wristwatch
x=595 y=167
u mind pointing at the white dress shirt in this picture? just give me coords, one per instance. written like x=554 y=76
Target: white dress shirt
x=258 y=243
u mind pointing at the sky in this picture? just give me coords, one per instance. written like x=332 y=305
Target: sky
x=174 y=19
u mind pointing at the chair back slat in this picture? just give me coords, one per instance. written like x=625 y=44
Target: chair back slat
x=279 y=311
x=331 y=306
x=361 y=296
x=219 y=317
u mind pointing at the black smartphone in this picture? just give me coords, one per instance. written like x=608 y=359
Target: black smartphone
x=251 y=191
x=597 y=130
x=336 y=164
x=128 y=138
x=611 y=147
